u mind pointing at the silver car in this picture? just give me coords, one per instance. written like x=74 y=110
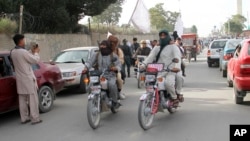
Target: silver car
x=213 y=53
x=70 y=63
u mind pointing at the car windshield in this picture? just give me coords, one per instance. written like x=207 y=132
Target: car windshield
x=73 y=56
x=233 y=44
x=218 y=44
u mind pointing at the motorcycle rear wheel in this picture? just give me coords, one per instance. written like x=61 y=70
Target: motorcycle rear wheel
x=171 y=109
x=94 y=116
x=145 y=116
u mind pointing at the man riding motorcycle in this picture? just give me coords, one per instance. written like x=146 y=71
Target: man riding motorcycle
x=165 y=53
x=106 y=60
x=143 y=50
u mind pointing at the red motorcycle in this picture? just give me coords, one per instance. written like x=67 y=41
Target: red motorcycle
x=156 y=98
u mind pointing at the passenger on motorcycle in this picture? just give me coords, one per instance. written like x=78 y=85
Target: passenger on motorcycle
x=114 y=41
x=165 y=53
x=143 y=49
x=106 y=60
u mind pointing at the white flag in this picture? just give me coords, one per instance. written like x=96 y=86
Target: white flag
x=179 y=26
x=140 y=17
x=109 y=34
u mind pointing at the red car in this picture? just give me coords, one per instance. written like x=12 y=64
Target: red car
x=239 y=72
x=49 y=80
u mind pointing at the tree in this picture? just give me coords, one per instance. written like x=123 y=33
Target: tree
x=111 y=15
x=235 y=24
x=53 y=16
x=161 y=19
x=194 y=29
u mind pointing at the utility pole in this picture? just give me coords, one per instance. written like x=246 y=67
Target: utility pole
x=21 y=19
x=90 y=32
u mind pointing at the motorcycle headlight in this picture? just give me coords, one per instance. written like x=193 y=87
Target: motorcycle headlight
x=94 y=79
x=150 y=78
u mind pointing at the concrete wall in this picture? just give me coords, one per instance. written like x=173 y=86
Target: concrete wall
x=51 y=44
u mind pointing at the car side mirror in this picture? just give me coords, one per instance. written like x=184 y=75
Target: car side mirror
x=83 y=62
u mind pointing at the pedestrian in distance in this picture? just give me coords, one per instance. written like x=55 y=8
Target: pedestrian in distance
x=127 y=56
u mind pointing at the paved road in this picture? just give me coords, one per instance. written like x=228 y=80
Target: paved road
x=205 y=115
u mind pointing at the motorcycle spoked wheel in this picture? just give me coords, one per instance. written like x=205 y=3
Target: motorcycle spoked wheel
x=145 y=116
x=94 y=116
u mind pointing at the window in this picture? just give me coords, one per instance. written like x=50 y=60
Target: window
x=35 y=67
x=233 y=44
x=73 y=56
x=218 y=44
x=4 y=69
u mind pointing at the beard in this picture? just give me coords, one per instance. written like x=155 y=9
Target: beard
x=106 y=51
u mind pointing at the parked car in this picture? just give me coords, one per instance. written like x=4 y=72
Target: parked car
x=227 y=53
x=70 y=63
x=238 y=74
x=213 y=53
x=49 y=82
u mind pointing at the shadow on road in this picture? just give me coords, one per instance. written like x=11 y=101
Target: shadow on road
x=69 y=92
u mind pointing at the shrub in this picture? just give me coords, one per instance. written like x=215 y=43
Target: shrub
x=7 y=26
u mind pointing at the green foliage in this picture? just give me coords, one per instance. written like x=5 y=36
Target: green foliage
x=194 y=29
x=53 y=16
x=7 y=26
x=235 y=24
x=161 y=19
x=111 y=15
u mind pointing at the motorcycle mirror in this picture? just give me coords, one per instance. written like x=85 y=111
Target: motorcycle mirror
x=83 y=61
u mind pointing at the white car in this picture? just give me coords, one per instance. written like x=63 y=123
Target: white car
x=213 y=53
x=70 y=63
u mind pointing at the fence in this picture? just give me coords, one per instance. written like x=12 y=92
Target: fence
x=52 y=44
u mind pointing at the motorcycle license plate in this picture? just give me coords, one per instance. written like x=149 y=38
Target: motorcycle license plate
x=95 y=89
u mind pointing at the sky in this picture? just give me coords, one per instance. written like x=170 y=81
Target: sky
x=205 y=14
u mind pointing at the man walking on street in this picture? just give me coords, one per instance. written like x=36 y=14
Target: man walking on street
x=127 y=56
x=26 y=80
x=134 y=47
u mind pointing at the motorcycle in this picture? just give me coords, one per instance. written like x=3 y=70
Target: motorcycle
x=156 y=98
x=140 y=76
x=98 y=99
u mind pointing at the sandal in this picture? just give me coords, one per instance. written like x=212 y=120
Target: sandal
x=180 y=97
x=39 y=121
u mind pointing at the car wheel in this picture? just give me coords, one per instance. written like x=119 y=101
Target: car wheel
x=46 y=99
x=224 y=73
x=237 y=96
x=83 y=86
x=209 y=65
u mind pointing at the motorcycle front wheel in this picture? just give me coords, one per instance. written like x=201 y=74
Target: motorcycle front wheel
x=94 y=115
x=139 y=81
x=145 y=116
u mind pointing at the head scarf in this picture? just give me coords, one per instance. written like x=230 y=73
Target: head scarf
x=106 y=51
x=114 y=41
x=165 y=41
